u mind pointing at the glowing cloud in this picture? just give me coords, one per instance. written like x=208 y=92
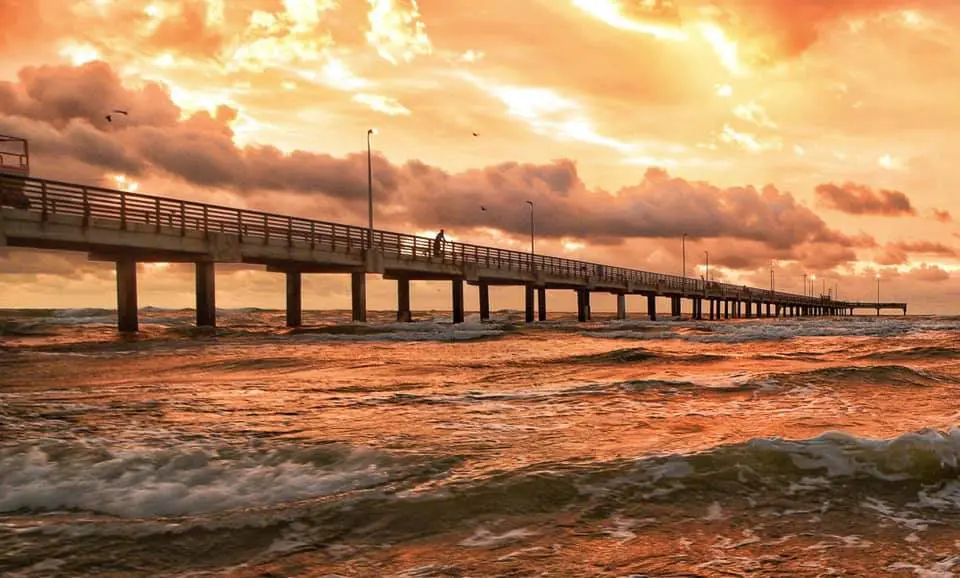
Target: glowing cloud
x=282 y=40
x=753 y=112
x=549 y=113
x=338 y=75
x=396 y=30
x=384 y=104
x=611 y=13
x=748 y=141
x=726 y=50
x=79 y=54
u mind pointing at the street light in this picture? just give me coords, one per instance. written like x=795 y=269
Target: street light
x=773 y=264
x=804 y=284
x=531 y=229
x=370 y=133
x=812 y=279
x=683 y=250
x=878 y=293
x=706 y=273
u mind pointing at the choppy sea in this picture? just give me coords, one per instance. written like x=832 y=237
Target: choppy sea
x=813 y=447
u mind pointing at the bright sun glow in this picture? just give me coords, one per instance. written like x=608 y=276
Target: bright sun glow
x=80 y=54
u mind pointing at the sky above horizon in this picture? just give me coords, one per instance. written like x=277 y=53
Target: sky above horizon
x=814 y=136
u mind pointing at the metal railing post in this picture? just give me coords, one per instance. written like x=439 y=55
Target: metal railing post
x=157 y=210
x=123 y=211
x=183 y=219
x=43 y=201
x=86 y=207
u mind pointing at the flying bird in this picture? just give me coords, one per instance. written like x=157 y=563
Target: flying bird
x=109 y=117
x=482 y=208
x=476 y=134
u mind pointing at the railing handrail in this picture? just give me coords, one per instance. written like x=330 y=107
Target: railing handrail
x=121 y=205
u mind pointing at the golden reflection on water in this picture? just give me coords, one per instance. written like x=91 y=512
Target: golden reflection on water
x=546 y=398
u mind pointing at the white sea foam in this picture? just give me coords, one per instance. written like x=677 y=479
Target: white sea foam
x=483 y=538
x=180 y=481
x=767 y=330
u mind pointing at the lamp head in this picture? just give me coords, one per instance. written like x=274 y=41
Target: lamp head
x=372 y=131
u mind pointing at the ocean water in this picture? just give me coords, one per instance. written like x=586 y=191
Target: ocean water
x=815 y=447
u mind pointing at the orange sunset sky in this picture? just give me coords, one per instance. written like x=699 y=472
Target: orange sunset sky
x=817 y=133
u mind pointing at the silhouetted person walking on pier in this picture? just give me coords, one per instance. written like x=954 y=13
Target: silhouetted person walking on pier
x=438 y=242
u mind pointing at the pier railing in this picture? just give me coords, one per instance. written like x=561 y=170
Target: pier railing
x=48 y=197
x=14 y=155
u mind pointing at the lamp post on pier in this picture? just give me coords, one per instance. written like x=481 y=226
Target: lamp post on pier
x=532 y=252
x=370 y=133
x=706 y=272
x=878 y=294
x=683 y=263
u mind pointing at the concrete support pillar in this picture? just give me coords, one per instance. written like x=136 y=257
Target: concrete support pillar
x=528 y=303
x=127 y=296
x=541 y=303
x=675 y=306
x=457 y=290
x=652 y=307
x=586 y=304
x=582 y=305
x=621 y=306
x=358 y=296
x=484 y=301
x=294 y=299
x=726 y=309
x=206 y=295
x=698 y=308
x=404 y=314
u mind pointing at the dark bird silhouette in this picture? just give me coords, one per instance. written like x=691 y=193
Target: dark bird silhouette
x=476 y=134
x=482 y=208
x=109 y=117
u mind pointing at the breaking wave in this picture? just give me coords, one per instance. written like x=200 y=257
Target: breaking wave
x=187 y=480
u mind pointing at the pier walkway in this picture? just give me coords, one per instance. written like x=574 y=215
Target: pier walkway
x=126 y=228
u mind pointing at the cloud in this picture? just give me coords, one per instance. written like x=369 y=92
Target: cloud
x=898 y=253
x=857 y=199
x=926 y=273
x=397 y=31
x=941 y=215
x=187 y=30
x=777 y=29
x=200 y=151
x=384 y=104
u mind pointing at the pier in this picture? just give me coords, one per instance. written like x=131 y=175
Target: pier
x=128 y=228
